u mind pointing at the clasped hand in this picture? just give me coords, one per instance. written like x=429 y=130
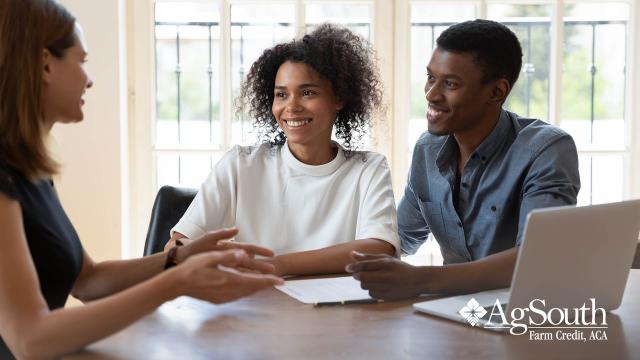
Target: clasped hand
x=220 y=240
x=215 y=269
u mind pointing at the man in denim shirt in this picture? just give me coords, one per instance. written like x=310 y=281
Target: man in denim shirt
x=476 y=173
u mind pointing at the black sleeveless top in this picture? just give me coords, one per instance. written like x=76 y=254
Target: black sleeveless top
x=53 y=242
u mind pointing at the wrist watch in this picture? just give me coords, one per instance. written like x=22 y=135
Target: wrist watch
x=172 y=258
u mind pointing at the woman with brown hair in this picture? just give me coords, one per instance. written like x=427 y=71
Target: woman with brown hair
x=42 y=82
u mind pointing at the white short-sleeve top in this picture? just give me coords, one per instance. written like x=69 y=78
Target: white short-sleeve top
x=281 y=203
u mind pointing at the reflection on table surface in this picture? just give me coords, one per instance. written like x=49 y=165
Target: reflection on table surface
x=270 y=325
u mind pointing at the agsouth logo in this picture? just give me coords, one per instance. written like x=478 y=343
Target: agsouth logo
x=472 y=312
x=539 y=317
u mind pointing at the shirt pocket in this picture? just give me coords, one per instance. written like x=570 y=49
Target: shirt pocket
x=432 y=213
x=489 y=223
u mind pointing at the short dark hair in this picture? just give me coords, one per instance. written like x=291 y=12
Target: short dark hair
x=495 y=47
x=337 y=54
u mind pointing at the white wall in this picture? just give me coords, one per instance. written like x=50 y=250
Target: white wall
x=91 y=181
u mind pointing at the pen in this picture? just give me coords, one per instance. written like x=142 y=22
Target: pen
x=347 y=302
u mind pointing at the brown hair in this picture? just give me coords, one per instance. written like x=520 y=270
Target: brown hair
x=27 y=27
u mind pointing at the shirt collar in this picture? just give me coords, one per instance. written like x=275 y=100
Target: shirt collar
x=497 y=136
x=448 y=153
x=487 y=147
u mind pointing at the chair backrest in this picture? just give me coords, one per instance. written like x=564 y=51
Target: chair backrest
x=169 y=206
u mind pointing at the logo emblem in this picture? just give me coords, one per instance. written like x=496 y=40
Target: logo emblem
x=472 y=312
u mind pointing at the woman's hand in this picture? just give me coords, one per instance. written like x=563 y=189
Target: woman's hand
x=211 y=276
x=221 y=240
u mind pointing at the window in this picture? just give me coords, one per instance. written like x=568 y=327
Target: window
x=578 y=57
x=254 y=27
x=593 y=81
x=187 y=99
x=428 y=20
x=190 y=76
x=593 y=97
x=355 y=16
x=532 y=25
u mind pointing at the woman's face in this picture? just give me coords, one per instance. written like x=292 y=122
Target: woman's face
x=304 y=104
x=65 y=81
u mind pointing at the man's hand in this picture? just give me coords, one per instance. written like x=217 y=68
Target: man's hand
x=220 y=240
x=386 y=277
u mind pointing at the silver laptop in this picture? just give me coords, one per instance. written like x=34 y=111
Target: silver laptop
x=568 y=256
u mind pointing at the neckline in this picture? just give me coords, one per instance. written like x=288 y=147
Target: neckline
x=313 y=170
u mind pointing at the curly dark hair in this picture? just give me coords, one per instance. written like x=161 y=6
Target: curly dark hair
x=495 y=47
x=336 y=53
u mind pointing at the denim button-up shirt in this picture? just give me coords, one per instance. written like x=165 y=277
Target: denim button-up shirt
x=522 y=165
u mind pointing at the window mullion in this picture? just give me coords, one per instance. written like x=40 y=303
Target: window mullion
x=142 y=169
x=401 y=94
x=382 y=40
x=226 y=113
x=482 y=9
x=301 y=24
x=632 y=175
x=555 y=71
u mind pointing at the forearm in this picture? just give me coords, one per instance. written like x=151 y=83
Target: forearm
x=65 y=330
x=109 y=277
x=329 y=260
x=492 y=272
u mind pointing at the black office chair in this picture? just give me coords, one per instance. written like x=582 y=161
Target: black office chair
x=636 y=258
x=169 y=206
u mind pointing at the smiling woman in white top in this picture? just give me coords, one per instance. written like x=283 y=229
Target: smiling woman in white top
x=307 y=197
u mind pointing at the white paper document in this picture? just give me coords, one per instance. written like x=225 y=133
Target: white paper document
x=331 y=291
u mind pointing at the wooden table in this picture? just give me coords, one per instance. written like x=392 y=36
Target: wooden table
x=271 y=325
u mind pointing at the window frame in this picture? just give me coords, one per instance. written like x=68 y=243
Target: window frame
x=630 y=154
x=393 y=51
x=142 y=89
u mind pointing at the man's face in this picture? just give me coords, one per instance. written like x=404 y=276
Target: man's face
x=458 y=100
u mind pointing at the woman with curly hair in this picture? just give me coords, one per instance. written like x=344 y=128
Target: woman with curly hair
x=310 y=199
